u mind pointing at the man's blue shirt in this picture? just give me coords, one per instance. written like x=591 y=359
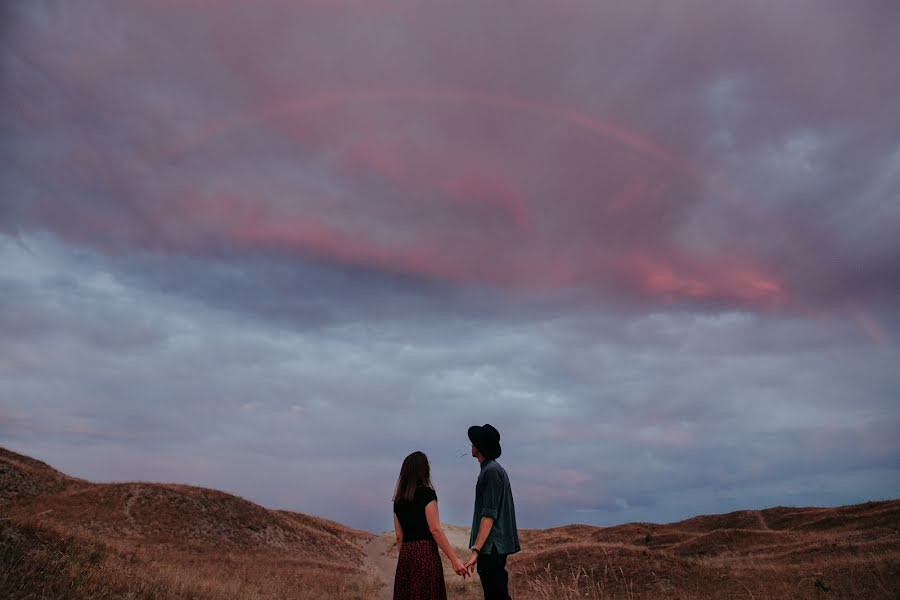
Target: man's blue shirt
x=493 y=498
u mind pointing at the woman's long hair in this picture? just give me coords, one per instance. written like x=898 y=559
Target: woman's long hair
x=415 y=472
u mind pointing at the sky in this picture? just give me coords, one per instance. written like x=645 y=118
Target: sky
x=273 y=247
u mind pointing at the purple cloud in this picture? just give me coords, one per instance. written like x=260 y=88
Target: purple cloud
x=655 y=244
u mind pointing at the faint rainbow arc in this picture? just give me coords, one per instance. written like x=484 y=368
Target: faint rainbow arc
x=569 y=116
x=330 y=100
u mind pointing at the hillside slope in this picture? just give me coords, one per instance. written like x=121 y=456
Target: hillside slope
x=63 y=537
x=172 y=540
x=22 y=477
x=779 y=552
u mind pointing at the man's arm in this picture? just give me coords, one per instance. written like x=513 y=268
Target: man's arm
x=490 y=504
x=484 y=530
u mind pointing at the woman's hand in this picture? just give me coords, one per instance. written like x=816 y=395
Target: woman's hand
x=459 y=568
x=434 y=526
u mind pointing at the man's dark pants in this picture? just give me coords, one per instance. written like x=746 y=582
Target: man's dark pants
x=494 y=578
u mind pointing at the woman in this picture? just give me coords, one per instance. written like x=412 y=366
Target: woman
x=420 y=575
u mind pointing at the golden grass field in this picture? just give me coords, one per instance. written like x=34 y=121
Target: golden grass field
x=63 y=537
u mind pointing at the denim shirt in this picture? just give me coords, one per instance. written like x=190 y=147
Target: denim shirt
x=493 y=498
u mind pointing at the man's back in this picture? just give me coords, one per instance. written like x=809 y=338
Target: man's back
x=494 y=499
x=494 y=536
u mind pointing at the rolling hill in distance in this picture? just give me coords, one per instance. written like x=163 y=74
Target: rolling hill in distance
x=64 y=537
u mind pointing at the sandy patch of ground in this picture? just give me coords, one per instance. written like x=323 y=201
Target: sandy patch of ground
x=381 y=561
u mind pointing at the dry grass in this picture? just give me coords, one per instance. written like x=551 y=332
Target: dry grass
x=23 y=478
x=41 y=562
x=62 y=537
x=844 y=552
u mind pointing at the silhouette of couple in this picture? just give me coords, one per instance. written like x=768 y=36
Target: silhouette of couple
x=493 y=537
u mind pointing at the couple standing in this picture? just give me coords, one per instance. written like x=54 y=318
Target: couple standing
x=419 y=573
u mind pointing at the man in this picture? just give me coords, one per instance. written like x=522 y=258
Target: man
x=494 y=535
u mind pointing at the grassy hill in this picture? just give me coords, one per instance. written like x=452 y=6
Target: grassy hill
x=841 y=552
x=63 y=537
x=23 y=478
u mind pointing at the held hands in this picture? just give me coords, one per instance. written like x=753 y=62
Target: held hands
x=470 y=564
x=460 y=568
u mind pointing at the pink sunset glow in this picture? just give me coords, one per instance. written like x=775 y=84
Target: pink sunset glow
x=654 y=242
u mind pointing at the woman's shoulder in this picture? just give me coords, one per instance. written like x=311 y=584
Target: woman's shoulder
x=425 y=494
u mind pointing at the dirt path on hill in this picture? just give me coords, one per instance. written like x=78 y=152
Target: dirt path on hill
x=132 y=496
x=380 y=557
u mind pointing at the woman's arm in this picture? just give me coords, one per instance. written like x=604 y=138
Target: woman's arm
x=398 y=531
x=434 y=525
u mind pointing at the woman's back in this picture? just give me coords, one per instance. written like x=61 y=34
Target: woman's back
x=419 y=574
x=412 y=515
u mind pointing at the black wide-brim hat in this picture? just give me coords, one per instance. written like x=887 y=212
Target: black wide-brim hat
x=486 y=439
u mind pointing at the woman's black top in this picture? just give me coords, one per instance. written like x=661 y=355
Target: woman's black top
x=412 y=515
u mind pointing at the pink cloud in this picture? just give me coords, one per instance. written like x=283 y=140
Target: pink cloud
x=454 y=143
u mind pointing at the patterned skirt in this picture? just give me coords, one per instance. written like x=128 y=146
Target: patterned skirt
x=419 y=575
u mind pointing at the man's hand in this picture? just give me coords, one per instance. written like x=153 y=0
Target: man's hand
x=473 y=558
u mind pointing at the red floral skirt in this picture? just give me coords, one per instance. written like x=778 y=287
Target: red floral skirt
x=420 y=575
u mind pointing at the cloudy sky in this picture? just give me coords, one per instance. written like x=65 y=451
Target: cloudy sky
x=272 y=247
